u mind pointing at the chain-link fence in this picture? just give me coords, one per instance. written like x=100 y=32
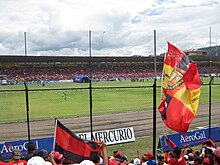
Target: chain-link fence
x=31 y=111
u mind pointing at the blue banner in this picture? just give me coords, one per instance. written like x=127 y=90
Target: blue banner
x=191 y=138
x=42 y=143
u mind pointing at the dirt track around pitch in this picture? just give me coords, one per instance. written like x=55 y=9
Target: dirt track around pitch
x=141 y=121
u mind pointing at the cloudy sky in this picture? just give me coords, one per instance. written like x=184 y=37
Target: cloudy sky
x=119 y=27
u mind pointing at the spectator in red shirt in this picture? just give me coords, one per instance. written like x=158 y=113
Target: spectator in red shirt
x=3 y=163
x=16 y=158
x=177 y=157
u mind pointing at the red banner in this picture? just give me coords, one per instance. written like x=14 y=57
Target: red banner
x=74 y=148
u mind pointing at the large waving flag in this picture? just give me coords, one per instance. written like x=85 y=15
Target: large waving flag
x=74 y=148
x=181 y=87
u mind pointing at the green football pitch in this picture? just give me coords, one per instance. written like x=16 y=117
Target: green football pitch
x=74 y=99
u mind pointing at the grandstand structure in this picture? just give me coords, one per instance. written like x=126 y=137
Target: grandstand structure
x=16 y=60
x=16 y=68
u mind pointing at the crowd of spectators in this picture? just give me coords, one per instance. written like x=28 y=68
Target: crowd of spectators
x=209 y=154
x=98 y=72
x=54 y=73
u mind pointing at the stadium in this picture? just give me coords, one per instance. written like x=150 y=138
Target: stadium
x=121 y=95
x=54 y=68
x=109 y=82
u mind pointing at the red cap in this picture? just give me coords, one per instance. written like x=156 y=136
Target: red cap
x=206 y=160
x=209 y=143
x=149 y=155
x=119 y=153
x=58 y=155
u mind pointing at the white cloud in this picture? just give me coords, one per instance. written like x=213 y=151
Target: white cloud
x=119 y=27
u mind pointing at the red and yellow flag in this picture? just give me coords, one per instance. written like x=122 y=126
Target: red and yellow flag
x=181 y=87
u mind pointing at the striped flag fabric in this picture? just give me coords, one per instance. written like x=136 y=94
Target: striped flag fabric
x=181 y=89
x=73 y=148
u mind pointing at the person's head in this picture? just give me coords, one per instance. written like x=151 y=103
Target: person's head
x=36 y=160
x=42 y=153
x=31 y=147
x=197 y=153
x=149 y=155
x=217 y=156
x=206 y=161
x=119 y=156
x=208 y=143
x=16 y=154
x=188 y=151
x=45 y=155
x=176 y=152
x=186 y=157
x=87 y=162
x=197 y=160
x=58 y=157
x=114 y=153
x=144 y=158
x=96 y=159
x=160 y=158
x=125 y=159
x=136 y=161
x=190 y=156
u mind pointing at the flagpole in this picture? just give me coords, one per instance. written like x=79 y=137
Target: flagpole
x=161 y=89
x=210 y=83
x=154 y=99
x=90 y=81
x=155 y=56
x=210 y=104
x=210 y=56
x=55 y=132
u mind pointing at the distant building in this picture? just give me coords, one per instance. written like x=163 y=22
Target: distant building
x=195 y=52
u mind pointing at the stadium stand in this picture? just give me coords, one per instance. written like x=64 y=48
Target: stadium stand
x=35 y=69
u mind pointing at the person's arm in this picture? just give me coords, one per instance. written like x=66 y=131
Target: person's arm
x=104 y=153
x=167 y=156
x=172 y=144
x=138 y=155
x=52 y=158
x=203 y=152
x=191 y=150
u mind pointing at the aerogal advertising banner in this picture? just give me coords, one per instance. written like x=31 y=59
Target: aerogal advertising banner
x=191 y=138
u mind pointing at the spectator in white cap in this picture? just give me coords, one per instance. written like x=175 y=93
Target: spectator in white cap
x=36 y=160
x=87 y=162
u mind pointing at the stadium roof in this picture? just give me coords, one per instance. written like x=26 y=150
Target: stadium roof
x=9 y=58
x=16 y=58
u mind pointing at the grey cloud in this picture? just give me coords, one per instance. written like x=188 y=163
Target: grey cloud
x=210 y=3
x=12 y=41
x=117 y=32
x=57 y=40
x=113 y=20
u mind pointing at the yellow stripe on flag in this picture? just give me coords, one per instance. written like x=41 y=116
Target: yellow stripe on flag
x=167 y=72
x=189 y=98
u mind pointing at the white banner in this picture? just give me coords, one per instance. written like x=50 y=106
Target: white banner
x=114 y=136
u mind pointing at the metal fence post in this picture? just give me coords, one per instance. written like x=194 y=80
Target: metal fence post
x=27 y=111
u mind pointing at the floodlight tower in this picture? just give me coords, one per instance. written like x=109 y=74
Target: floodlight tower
x=210 y=57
